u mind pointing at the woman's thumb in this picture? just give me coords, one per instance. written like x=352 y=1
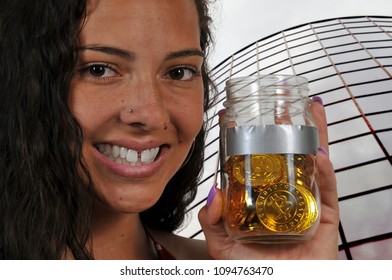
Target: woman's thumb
x=211 y=223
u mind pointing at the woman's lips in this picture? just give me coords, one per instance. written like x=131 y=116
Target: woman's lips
x=129 y=163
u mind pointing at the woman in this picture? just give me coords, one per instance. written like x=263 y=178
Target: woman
x=103 y=134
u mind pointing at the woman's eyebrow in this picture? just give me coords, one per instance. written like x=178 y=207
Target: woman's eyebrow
x=130 y=55
x=184 y=53
x=108 y=50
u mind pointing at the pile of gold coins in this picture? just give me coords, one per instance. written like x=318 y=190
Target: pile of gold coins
x=269 y=193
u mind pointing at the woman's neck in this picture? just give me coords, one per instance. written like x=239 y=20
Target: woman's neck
x=119 y=236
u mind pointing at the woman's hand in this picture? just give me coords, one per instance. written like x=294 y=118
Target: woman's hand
x=323 y=245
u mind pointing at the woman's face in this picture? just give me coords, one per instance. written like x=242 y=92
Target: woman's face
x=138 y=96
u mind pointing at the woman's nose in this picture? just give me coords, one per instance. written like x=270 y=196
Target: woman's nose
x=145 y=107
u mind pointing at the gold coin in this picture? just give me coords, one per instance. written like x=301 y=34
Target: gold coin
x=312 y=203
x=304 y=169
x=303 y=173
x=234 y=204
x=311 y=215
x=282 y=208
x=259 y=170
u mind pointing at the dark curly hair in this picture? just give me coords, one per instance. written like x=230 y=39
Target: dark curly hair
x=45 y=206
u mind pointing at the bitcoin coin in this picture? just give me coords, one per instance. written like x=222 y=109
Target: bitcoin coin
x=312 y=204
x=282 y=208
x=258 y=170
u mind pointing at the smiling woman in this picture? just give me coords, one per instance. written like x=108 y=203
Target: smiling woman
x=158 y=75
x=103 y=135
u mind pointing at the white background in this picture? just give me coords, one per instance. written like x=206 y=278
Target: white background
x=238 y=23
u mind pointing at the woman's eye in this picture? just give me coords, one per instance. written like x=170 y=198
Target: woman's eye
x=182 y=73
x=101 y=71
x=98 y=71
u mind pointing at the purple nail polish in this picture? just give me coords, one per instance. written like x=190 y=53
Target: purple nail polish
x=318 y=99
x=324 y=151
x=221 y=112
x=211 y=195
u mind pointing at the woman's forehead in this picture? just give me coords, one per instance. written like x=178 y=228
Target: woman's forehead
x=141 y=22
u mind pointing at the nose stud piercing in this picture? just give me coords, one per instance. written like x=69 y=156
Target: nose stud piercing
x=130 y=110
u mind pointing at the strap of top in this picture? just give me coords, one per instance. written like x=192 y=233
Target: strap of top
x=162 y=252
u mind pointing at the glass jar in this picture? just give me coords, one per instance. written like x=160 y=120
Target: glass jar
x=268 y=143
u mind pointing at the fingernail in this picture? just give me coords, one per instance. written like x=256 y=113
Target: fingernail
x=211 y=195
x=221 y=112
x=324 y=151
x=318 y=99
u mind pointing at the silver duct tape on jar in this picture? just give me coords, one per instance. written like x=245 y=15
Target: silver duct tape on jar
x=272 y=139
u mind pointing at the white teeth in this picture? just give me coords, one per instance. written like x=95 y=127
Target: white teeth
x=126 y=156
x=115 y=151
x=148 y=156
x=132 y=156
x=108 y=150
x=123 y=152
